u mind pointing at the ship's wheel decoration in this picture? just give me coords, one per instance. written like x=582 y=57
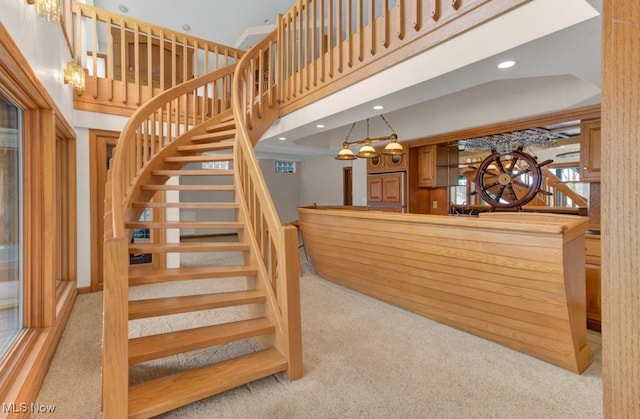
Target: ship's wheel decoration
x=510 y=179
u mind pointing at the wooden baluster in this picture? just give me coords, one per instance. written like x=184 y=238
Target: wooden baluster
x=109 y=60
x=323 y=42
x=417 y=15
x=173 y=60
x=372 y=24
x=435 y=10
x=307 y=40
x=136 y=69
x=150 y=61
x=185 y=55
x=455 y=4
x=291 y=58
x=330 y=40
x=195 y=60
x=339 y=35
x=296 y=52
x=272 y=69
x=77 y=11
x=162 y=73
x=94 y=46
x=123 y=62
x=314 y=41
x=206 y=58
x=360 y=18
x=385 y=23
x=349 y=34
x=261 y=75
x=139 y=149
x=400 y=33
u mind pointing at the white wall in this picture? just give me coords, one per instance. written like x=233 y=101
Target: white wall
x=284 y=189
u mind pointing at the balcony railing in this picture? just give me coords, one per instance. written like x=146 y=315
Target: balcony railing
x=128 y=61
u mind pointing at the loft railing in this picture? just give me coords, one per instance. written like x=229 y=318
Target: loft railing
x=128 y=61
x=326 y=45
x=255 y=108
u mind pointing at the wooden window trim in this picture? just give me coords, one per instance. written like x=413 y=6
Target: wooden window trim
x=47 y=302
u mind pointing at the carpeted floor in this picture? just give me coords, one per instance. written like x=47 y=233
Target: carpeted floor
x=363 y=359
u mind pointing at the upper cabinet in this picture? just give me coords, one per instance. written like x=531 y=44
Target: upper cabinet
x=437 y=166
x=590 y=150
x=387 y=163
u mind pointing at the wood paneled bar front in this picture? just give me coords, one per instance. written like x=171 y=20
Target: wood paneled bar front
x=516 y=279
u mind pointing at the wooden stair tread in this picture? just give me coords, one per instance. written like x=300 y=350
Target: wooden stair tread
x=193 y=148
x=140 y=309
x=185 y=224
x=226 y=124
x=199 y=158
x=199 y=205
x=168 y=393
x=187 y=187
x=145 y=348
x=187 y=247
x=190 y=172
x=139 y=276
x=214 y=136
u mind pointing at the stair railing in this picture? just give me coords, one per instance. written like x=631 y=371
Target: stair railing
x=255 y=107
x=152 y=130
x=129 y=61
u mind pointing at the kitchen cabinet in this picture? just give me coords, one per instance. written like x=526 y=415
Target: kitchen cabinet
x=385 y=191
x=592 y=281
x=437 y=166
x=387 y=163
x=590 y=150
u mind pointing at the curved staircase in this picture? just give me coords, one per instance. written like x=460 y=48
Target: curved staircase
x=171 y=137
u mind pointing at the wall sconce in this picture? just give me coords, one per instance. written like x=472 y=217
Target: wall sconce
x=49 y=10
x=74 y=75
x=367 y=151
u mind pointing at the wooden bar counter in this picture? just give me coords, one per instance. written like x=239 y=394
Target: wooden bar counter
x=517 y=279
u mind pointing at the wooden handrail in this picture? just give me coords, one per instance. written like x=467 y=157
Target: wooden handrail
x=551 y=181
x=130 y=61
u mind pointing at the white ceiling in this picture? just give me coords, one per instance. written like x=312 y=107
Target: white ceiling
x=558 y=70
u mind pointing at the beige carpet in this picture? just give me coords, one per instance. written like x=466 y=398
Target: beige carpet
x=363 y=359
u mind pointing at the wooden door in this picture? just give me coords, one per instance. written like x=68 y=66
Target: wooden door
x=101 y=148
x=374 y=189
x=347 y=186
x=392 y=188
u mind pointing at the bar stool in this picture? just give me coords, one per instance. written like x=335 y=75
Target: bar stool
x=296 y=224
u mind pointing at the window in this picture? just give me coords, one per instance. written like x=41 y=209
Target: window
x=11 y=306
x=285 y=166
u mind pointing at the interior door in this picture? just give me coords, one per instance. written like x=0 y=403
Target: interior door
x=101 y=147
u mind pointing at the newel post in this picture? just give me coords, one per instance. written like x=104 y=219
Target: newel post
x=290 y=303
x=115 y=340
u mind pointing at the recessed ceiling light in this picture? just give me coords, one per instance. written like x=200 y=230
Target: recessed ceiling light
x=378 y=107
x=123 y=8
x=319 y=126
x=186 y=27
x=282 y=138
x=507 y=64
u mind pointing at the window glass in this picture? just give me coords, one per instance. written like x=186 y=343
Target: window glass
x=10 y=222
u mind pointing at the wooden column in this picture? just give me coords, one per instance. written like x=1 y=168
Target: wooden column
x=621 y=208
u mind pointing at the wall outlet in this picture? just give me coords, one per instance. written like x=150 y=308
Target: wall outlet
x=434 y=204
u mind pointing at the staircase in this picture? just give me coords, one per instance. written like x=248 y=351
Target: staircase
x=172 y=137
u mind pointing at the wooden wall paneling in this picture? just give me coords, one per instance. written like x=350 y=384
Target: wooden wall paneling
x=620 y=212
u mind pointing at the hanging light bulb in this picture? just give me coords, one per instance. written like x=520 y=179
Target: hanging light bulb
x=367 y=151
x=345 y=153
x=394 y=148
